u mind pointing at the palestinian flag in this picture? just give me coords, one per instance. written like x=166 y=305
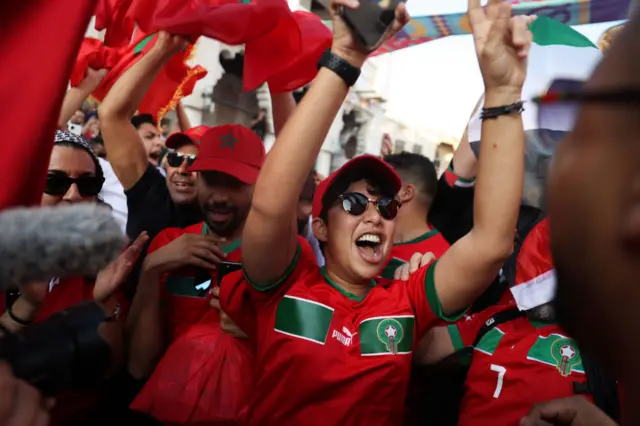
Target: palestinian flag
x=558 y=51
x=175 y=81
x=535 y=275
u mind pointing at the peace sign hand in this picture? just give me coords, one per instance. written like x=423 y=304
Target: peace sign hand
x=502 y=44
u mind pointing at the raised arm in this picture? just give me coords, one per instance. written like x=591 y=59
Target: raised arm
x=471 y=264
x=183 y=120
x=126 y=151
x=77 y=95
x=271 y=224
x=282 y=107
x=464 y=160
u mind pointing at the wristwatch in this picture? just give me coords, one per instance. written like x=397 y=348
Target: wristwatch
x=342 y=68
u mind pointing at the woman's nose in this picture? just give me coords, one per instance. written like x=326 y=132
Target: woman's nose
x=73 y=194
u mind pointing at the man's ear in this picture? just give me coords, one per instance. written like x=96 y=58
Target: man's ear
x=407 y=193
x=319 y=229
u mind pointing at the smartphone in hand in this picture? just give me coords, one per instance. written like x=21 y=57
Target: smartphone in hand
x=225 y=268
x=370 y=21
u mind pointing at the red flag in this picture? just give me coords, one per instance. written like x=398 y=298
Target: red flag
x=111 y=15
x=272 y=33
x=204 y=378
x=175 y=81
x=37 y=54
x=290 y=73
x=229 y=21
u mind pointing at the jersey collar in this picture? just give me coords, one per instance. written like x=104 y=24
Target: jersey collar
x=348 y=295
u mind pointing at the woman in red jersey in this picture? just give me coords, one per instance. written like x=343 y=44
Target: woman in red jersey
x=334 y=344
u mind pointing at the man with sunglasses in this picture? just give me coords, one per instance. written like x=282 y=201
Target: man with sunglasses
x=593 y=198
x=155 y=202
x=182 y=150
x=181 y=263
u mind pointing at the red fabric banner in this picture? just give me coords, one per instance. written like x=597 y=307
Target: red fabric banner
x=36 y=57
x=281 y=47
x=175 y=81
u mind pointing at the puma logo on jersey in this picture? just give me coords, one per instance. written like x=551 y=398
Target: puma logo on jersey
x=346 y=331
x=342 y=338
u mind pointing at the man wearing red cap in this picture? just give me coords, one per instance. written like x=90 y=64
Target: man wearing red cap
x=181 y=263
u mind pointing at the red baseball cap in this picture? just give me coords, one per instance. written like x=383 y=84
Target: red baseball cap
x=191 y=136
x=231 y=149
x=375 y=166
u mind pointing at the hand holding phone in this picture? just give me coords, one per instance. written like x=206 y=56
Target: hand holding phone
x=370 y=21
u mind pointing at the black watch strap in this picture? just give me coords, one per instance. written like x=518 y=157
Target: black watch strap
x=342 y=68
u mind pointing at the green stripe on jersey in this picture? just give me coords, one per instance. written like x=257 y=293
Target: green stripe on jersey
x=304 y=319
x=390 y=269
x=558 y=351
x=490 y=341
x=386 y=335
x=183 y=286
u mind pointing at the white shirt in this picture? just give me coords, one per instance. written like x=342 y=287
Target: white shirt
x=113 y=194
x=313 y=242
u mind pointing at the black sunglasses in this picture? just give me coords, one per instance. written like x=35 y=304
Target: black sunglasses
x=356 y=204
x=558 y=108
x=176 y=159
x=58 y=184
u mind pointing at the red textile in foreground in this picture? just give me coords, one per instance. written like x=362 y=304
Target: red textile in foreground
x=175 y=81
x=287 y=73
x=111 y=15
x=204 y=378
x=33 y=90
x=282 y=47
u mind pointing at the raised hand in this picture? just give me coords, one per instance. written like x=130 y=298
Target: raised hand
x=96 y=76
x=113 y=275
x=502 y=43
x=417 y=261
x=345 y=44
x=169 y=44
x=202 y=251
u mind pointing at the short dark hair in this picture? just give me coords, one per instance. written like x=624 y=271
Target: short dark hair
x=140 y=119
x=417 y=170
x=383 y=187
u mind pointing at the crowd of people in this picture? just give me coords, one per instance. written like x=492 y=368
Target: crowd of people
x=254 y=293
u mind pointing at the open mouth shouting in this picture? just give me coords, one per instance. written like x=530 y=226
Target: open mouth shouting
x=369 y=246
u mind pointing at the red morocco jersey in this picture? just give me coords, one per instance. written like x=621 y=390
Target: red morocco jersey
x=327 y=357
x=517 y=364
x=431 y=242
x=185 y=302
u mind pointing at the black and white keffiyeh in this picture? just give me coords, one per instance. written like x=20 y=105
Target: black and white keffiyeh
x=63 y=137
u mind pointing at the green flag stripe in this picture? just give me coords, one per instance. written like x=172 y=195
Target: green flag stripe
x=490 y=341
x=386 y=335
x=304 y=319
x=549 y=32
x=142 y=44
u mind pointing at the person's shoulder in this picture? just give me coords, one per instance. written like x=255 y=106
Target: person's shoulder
x=150 y=179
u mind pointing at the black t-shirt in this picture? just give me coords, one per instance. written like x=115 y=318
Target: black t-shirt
x=452 y=214
x=151 y=208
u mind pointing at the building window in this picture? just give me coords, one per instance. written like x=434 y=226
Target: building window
x=417 y=149
x=399 y=146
